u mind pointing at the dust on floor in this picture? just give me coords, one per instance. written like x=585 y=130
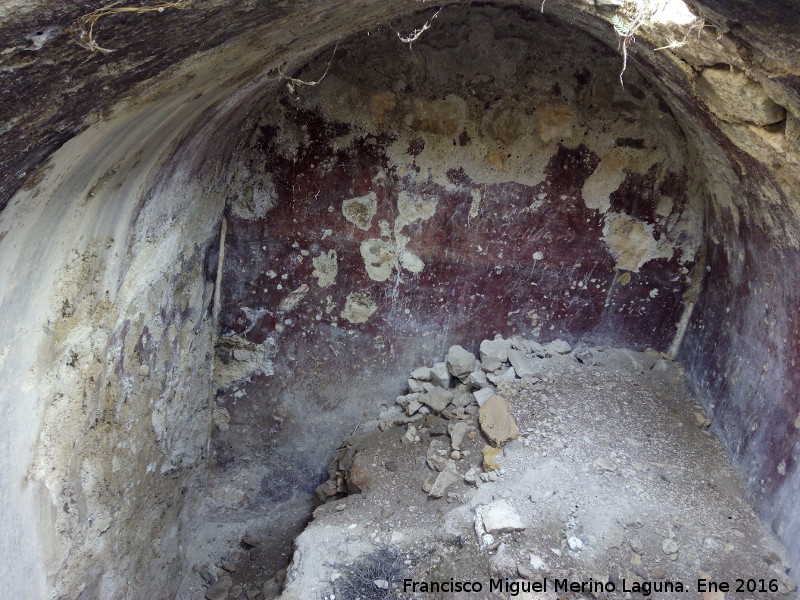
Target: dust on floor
x=604 y=481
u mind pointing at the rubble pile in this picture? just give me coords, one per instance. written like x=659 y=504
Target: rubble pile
x=457 y=400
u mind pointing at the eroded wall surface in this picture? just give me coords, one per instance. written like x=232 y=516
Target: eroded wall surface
x=107 y=354
x=742 y=349
x=473 y=184
x=741 y=346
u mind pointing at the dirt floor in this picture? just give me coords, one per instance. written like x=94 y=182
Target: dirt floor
x=615 y=488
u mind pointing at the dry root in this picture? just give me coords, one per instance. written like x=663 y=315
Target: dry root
x=292 y=81
x=86 y=24
x=414 y=35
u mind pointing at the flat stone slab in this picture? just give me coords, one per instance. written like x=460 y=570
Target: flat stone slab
x=437 y=399
x=497 y=422
x=523 y=365
x=499 y=516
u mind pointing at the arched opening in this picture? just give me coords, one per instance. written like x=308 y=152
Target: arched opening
x=232 y=272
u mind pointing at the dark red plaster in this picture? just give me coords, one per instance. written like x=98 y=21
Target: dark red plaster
x=742 y=353
x=328 y=372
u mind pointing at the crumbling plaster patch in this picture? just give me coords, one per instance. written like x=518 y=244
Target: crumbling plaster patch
x=326 y=268
x=413 y=208
x=358 y=308
x=256 y=192
x=615 y=164
x=632 y=243
x=384 y=257
x=380 y=258
x=236 y=359
x=360 y=211
x=438 y=117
